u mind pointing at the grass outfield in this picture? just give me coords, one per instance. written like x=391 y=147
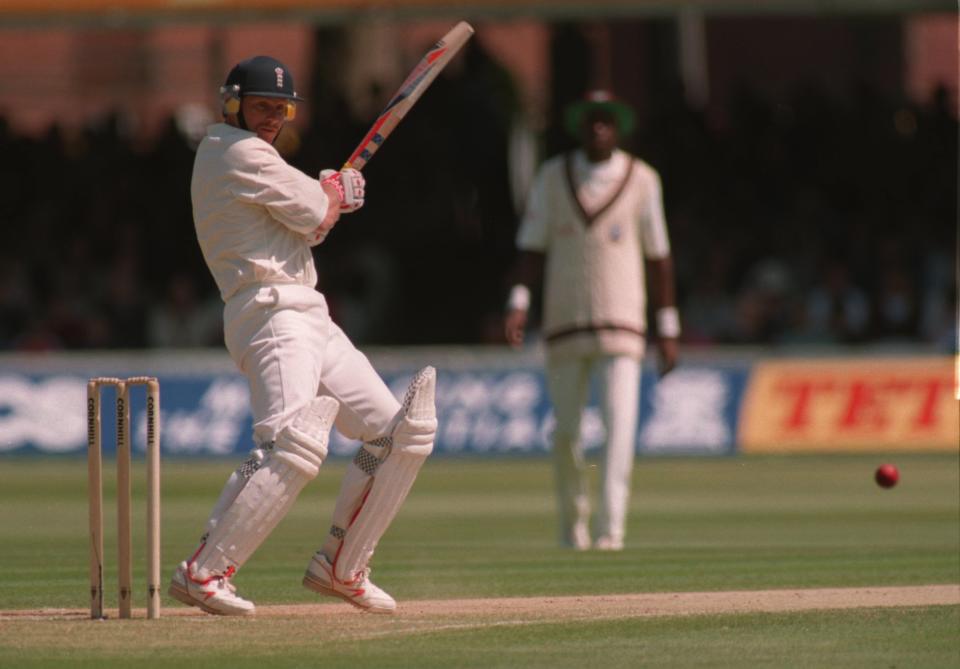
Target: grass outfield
x=484 y=528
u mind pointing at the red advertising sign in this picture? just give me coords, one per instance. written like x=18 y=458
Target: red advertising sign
x=851 y=405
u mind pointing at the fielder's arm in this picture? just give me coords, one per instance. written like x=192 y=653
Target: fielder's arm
x=526 y=273
x=663 y=295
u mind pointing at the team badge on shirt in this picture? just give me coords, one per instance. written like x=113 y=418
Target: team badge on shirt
x=615 y=232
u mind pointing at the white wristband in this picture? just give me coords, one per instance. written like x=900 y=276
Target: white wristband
x=519 y=298
x=668 y=322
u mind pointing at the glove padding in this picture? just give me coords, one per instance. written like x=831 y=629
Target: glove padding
x=350 y=184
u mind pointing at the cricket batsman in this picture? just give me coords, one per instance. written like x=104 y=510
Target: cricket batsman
x=595 y=233
x=256 y=219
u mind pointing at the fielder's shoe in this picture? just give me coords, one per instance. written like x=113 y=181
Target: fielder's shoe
x=213 y=593
x=608 y=543
x=361 y=592
x=577 y=537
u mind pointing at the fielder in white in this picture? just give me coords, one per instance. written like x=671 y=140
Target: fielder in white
x=595 y=218
x=256 y=219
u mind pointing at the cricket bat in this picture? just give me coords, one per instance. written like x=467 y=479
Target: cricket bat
x=410 y=91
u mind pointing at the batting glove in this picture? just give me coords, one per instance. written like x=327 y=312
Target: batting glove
x=350 y=186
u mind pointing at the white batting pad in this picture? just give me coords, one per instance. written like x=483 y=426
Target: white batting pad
x=238 y=479
x=268 y=495
x=412 y=442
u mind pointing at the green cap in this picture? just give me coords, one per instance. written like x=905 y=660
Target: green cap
x=599 y=99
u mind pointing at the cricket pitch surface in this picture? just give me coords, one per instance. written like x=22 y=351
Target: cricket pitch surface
x=489 y=612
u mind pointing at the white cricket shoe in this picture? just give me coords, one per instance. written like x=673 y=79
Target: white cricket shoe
x=361 y=591
x=214 y=593
x=608 y=543
x=577 y=537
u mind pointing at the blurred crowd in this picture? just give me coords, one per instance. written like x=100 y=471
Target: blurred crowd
x=816 y=219
x=813 y=220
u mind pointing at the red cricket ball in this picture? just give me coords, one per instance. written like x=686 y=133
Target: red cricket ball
x=886 y=476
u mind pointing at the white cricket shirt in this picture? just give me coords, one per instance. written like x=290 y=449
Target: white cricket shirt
x=596 y=222
x=251 y=211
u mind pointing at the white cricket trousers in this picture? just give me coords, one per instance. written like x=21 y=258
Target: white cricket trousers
x=568 y=381
x=281 y=337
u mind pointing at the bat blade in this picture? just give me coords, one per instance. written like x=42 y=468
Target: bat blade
x=410 y=91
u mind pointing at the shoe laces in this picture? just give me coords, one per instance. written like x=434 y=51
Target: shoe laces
x=361 y=577
x=222 y=580
x=224 y=584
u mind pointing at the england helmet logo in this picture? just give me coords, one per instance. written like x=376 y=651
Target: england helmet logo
x=279 y=71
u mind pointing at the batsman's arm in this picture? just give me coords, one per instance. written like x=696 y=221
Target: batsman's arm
x=319 y=233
